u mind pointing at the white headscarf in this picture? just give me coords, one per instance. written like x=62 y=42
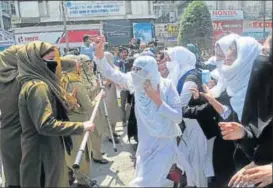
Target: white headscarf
x=237 y=75
x=182 y=61
x=157 y=125
x=224 y=43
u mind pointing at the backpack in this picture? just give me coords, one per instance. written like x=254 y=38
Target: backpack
x=194 y=75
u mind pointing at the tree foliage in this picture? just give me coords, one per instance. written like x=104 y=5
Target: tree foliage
x=196 y=26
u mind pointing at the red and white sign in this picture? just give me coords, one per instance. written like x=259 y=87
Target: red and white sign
x=227 y=15
x=58 y=38
x=257 y=26
x=257 y=29
x=220 y=27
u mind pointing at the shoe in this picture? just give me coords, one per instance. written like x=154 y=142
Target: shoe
x=102 y=161
x=115 y=139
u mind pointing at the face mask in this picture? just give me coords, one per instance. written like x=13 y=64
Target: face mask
x=219 y=63
x=51 y=65
x=138 y=81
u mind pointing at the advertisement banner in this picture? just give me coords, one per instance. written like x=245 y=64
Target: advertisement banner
x=257 y=26
x=256 y=29
x=95 y=8
x=220 y=27
x=167 y=31
x=117 y=32
x=227 y=15
x=74 y=37
x=143 y=31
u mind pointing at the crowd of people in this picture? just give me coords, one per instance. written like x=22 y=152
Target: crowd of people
x=193 y=131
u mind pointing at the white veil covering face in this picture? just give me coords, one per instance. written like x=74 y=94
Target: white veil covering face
x=237 y=75
x=182 y=61
x=156 y=125
x=224 y=43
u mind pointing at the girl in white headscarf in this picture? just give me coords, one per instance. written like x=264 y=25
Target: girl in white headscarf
x=182 y=62
x=158 y=113
x=221 y=49
x=236 y=71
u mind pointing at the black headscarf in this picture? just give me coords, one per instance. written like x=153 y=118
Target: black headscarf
x=258 y=108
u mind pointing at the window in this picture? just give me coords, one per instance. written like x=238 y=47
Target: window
x=5 y=7
x=12 y=8
x=43 y=8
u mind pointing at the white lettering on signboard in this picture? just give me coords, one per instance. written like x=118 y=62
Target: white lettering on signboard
x=95 y=8
x=227 y=14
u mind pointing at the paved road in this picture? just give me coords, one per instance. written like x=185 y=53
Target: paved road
x=119 y=172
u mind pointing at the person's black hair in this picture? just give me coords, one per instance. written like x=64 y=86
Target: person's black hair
x=122 y=49
x=161 y=54
x=130 y=62
x=85 y=38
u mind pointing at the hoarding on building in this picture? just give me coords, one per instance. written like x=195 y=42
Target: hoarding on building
x=220 y=27
x=95 y=8
x=167 y=32
x=58 y=38
x=227 y=15
x=226 y=21
x=143 y=31
x=257 y=29
x=117 y=32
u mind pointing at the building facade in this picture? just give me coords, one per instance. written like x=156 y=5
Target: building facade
x=6 y=10
x=248 y=18
x=45 y=20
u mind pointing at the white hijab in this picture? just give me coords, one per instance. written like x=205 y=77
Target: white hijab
x=224 y=43
x=157 y=125
x=182 y=61
x=237 y=75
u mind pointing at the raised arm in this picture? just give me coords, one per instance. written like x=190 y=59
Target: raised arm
x=105 y=68
x=111 y=73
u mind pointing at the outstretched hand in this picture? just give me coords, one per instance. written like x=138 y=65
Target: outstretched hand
x=195 y=93
x=89 y=126
x=232 y=130
x=207 y=93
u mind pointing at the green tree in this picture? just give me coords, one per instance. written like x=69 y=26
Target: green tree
x=196 y=27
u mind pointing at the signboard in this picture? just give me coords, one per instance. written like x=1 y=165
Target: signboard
x=117 y=32
x=74 y=36
x=220 y=27
x=257 y=26
x=143 y=31
x=256 y=29
x=227 y=14
x=95 y=8
x=167 y=31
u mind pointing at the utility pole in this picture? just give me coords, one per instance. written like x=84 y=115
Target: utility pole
x=65 y=25
x=264 y=7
